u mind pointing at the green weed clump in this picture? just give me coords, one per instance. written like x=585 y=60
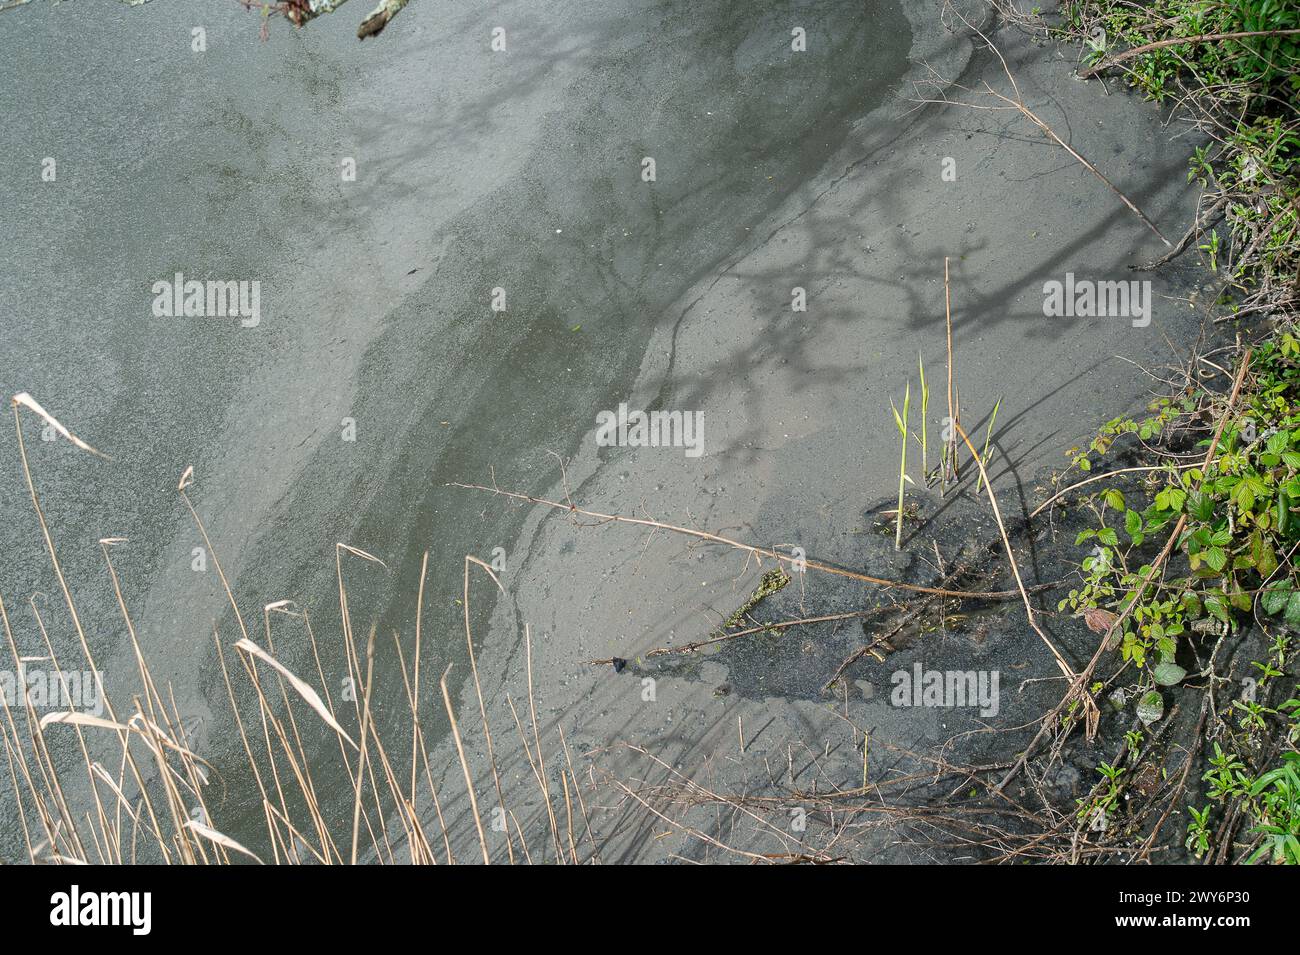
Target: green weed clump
x=1243 y=94
x=1204 y=544
x=1232 y=529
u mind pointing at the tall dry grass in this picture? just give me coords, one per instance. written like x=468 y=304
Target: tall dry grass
x=127 y=786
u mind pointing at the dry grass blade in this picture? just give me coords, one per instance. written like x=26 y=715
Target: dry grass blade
x=478 y=689
x=301 y=687
x=27 y=401
x=464 y=766
x=364 y=555
x=221 y=839
x=80 y=719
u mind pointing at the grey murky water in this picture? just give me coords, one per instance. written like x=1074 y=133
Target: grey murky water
x=475 y=171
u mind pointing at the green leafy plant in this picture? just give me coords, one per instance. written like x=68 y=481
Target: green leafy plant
x=1275 y=798
x=1198 y=832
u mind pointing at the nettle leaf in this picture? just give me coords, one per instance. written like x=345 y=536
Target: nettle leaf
x=1171 y=499
x=1114 y=499
x=1262 y=554
x=1248 y=490
x=1201 y=507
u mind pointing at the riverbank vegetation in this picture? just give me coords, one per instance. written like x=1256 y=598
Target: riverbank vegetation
x=1194 y=542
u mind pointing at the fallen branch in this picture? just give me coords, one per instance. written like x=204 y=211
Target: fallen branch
x=780 y=625
x=1017 y=103
x=1099 y=477
x=1198 y=226
x=747 y=548
x=907 y=618
x=1179 y=41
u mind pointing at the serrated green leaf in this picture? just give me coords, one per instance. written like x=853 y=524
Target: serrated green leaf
x=1200 y=507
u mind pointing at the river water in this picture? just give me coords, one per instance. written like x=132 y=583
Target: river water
x=378 y=370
